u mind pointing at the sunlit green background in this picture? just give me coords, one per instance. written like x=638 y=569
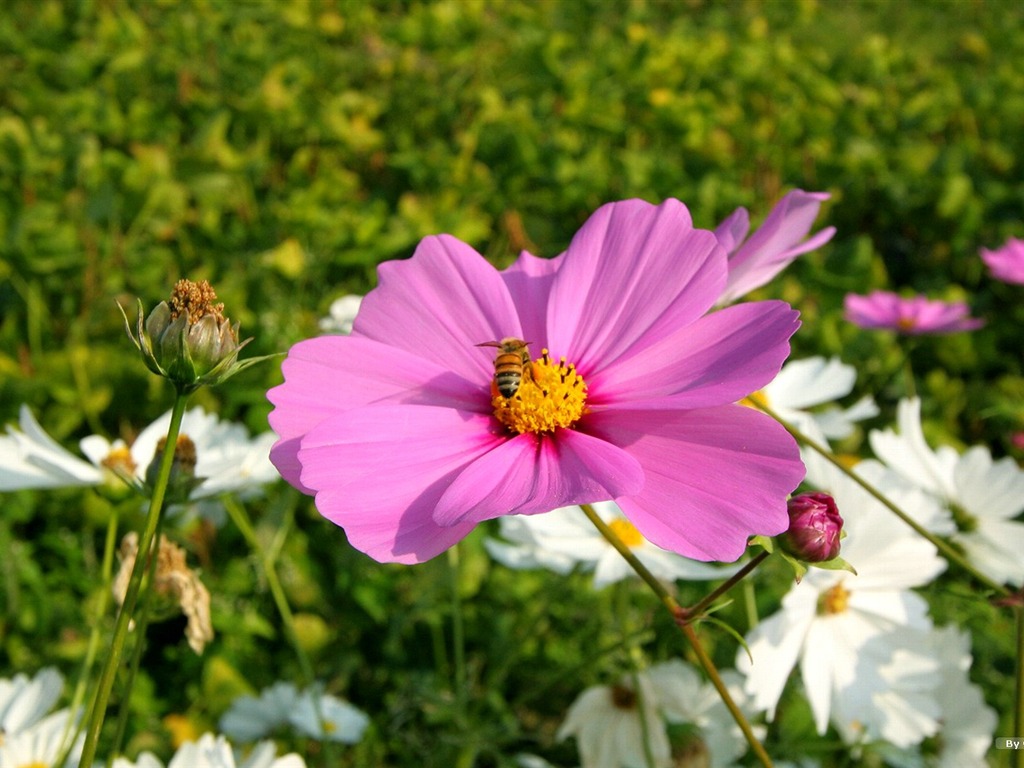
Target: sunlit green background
x=283 y=149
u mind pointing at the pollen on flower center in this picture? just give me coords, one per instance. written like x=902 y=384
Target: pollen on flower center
x=551 y=395
x=626 y=532
x=834 y=601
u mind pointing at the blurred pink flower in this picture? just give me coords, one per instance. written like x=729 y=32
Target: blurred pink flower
x=914 y=316
x=774 y=245
x=1006 y=263
x=396 y=427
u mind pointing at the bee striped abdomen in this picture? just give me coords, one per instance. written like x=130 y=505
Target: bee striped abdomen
x=508 y=373
x=510 y=365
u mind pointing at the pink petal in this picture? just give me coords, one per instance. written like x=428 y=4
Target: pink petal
x=441 y=303
x=719 y=359
x=531 y=474
x=776 y=242
x=733 y=229
x=328 y=375
x=529 y=282
x=379 y=472
x=713 y=476
x=632 y=271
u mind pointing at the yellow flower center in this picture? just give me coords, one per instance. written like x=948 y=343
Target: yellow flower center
x=120 y=462
x=906 y=323
x=835 y=600
x=550 y=395
x=627 y=532
x=755 y=400
x=34 y=764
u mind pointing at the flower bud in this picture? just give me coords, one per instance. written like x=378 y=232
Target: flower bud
x=188 y=340
x=815 y=527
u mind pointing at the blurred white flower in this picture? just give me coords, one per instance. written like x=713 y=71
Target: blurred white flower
x=227 y=459
x=41 y=743
x=982 y=494
x=249 y=718
x=341 y=315
x=828 y=618
x=215 y=752
x=341 y=721
x=610 y=722
x=24 y=700
x=565 y=538
x=805 y=384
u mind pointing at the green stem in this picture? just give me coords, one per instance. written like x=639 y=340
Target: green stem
x=106 y=681
x=947 y=550
x=267 y=559
x=679 y=615
x=241 y=519
x=141 y=623
x=102 y=604
x=698 y=608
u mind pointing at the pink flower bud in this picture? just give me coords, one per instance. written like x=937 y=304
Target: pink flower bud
x=814 y=528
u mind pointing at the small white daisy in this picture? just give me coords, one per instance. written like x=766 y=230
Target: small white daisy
x=805 y=384
x=215 y=752
x=565 y=538
x=227 y=459
x=341 y=315
x=41 y=743
x=24 y=700
x=983 y=495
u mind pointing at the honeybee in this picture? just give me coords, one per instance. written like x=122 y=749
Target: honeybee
x=511 y=364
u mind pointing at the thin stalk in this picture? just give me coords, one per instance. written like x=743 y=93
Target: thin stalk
x=106 y=578
x=947 y=551
x=141 y=623
x=460 y=682
x=240 y=518
x=267 y=559
x=678 y=613
x=106 y=681
x=698 y=608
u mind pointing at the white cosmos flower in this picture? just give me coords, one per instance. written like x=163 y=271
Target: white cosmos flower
x=249 y=718
x=967 y=721
x=341 y=721
x=815 y=381
x=830 y=616
x=40 y=744
x=609 y=722
x=565 y=538
x=341 y=315
x=24 y=700
x=984 y=495
x=227 y=459
x=215 y=752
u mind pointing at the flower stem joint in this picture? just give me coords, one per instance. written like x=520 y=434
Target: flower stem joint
x=815 y=528
x=187 y=339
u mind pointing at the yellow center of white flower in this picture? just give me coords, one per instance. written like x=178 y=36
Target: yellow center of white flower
x=755 y=400
x=835 y=600
x=626 y=532
x=550 y=395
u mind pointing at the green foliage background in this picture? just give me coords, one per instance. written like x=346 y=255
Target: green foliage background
x=283 y=149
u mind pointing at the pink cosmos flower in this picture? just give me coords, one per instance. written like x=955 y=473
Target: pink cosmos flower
x=401 y=434
x=1006 y=263
x=914 y=316
x=774 y=245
